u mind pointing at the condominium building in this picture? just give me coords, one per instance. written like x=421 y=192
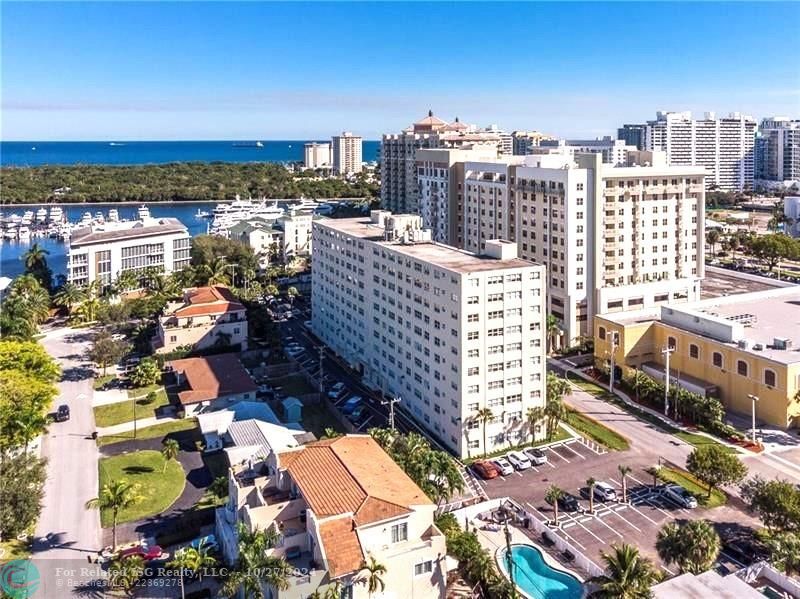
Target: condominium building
x=448 y=331
x=735 y=348
x=101 y=252
x=317 y=155
x=612 y=238
x=523 y=141
x=286 y=238
x=439 y=180
x=613 y=151
x=791 y=209
x=633 y=135
x=346 y=154
x=724 y=146
x=204 y=318
x=399 y=191
x=778 y=149
x=334 y=505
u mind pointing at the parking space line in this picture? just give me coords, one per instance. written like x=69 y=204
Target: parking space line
x=600 y=520
x=625 y=520
x=651 y=504
x=641 y=513
x=559 y=455
x=573 y=451
x=578 y=522
x=518 y=473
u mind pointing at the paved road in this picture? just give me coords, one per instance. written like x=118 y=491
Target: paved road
x=66 y=532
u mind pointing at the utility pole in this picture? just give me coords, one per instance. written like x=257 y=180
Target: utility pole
x=614 y=343
x=390 y=402
x=321 y=377
x=667 y=351
x=754 y=399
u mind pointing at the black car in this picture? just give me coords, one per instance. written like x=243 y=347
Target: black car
x=62 y=413
x=568 y=503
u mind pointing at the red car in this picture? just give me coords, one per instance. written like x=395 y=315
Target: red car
x=152 y=552
x=485 y=469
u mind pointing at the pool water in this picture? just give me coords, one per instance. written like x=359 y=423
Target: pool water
x=536 y=578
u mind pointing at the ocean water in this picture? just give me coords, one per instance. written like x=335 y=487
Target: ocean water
x=35 y=153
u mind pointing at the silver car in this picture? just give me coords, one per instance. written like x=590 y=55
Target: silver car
x=680 y=496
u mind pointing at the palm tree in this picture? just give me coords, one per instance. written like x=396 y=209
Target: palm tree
x=69 y=296
x=253 y=562
x=591 y=482
x=115 y=495
x=553 y=331
x=373 y=571
x=191 y=559
x=552 y=497
x=712 y=238
x=442 y=477
x=218 y=272
x=484 y=416
x=628 y=574
x=534 y=416
x=35 y=260
x=32 y=297
x=87 y=311
x=693 y=546
x=784 y=550
x=292 y=293
x=170 y=450
x=123 y=573
x=624 y=471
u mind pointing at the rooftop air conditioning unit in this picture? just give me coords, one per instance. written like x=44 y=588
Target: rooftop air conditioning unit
x=758 y=346
x=782 y=343
x=744 y=344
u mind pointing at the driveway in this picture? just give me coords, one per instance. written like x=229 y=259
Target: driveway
x=66 y=531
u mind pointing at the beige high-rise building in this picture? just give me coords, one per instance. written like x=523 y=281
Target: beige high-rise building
x=347 y=153
x=523 y=141
x=317 y=155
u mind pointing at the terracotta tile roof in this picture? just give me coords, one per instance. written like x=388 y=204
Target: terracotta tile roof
x=353 y=475
x=212 y=377
x=342 y=547
x=200 y=301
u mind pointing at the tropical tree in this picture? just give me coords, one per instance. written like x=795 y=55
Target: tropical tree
x=444 y=479
x=26 y=305
x=628 y=574
x=69 y=296
x=693 y=546
x=484 y=416
x=784 y=548
x=552 y=497
x=712 y=239
x=624 y=471
x=591 y=482
x=292 y=294
x=253 y=562
x=553 y=331
x=191 y=560
x=124 y=573
x=106 y=350
x=35 y=260
x=777 y=502
x=115 y=495
x=169 y=450
x=88 y=309
x=271 y=289
x=715 y=466
x=28 y=425
x=146 y=373
x=371 y=575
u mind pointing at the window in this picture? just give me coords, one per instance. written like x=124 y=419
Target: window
x=399 y=532
x=473 y=335
x=741 y=367
x=769 y=377
x=671 y=343
x=173 y=338
x=694 y=351
x=716 y=359
x=601 y=332
x=423 y=568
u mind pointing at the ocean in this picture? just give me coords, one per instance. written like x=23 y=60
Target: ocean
x=36 y=153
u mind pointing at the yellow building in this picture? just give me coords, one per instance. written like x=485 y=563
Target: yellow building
x=731 y=347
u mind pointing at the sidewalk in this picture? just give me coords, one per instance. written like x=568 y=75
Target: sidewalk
x=128 y=426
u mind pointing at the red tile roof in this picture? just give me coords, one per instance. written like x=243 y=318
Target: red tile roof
x=201 y=301
x=342 y=548
x=212 y=377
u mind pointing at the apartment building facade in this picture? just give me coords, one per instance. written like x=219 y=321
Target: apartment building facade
x=334 y=504
x=317 y=155
x=612 y=238
x=448 y=331
x=346 y=153
x=725 y=146
x=613 y=151
x=101 y=252
x=778 y=150
x=633 y=135
x=523 y=141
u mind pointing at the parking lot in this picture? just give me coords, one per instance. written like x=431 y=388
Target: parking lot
x=636 y=522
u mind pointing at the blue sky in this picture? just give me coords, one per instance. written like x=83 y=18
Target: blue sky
x=82 y=71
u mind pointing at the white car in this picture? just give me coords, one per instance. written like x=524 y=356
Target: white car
x=294 y=351
x=503 y=466
x=604 y=491
x=680 y=496
x=519 y=460
x=337 y=390
x=536 y=456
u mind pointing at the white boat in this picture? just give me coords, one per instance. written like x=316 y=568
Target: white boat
x=41 y=215
x=305 y=204
x=86 y=219
x=268 y=211
x=202 y=214
x=24 y=232
x=56 y=214
x=143 y=212
x=99 y=218
x=27 y=218
x=10 y=231
x=113 y=215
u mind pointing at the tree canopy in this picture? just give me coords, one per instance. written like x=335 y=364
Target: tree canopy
x=715 y=467
x=777 y=502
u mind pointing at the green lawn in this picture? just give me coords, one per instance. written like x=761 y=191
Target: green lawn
x=317 y=417
x=158 y=488
x=597 y=431
x=122 y=411
x=14 y=549
x=561 y=434
x=101 y=380
x=139 y=392
x=700 y=440
x=151 y=432
x=694 y=486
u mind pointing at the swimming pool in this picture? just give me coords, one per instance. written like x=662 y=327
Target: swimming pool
x=536 y=578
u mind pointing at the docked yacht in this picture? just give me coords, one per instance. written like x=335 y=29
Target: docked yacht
x=41 y=215
x=305 y=205
x=143 y=212
x=56 y=214
x=113 y=215
x=24 y=232
x=86 y=219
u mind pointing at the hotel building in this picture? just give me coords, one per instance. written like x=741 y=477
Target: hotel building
x=346 y=154
x=317 y=155
x=102 y=252
x=778 y=150
x=448 y=331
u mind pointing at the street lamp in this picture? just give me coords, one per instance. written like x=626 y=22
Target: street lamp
x=754 y=399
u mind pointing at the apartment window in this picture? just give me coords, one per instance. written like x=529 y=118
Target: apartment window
x=769 y=377
x=473 y=299
x=473 y=318
x=173 y=338
x=716 y=359
x=423 y=568
x=473 y=353
x=671 y=343
x=473 y=371
x=694 y=351
x=399 y=532
x=601 y=332
x=741 y=367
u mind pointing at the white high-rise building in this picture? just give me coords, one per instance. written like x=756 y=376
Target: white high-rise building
x=102 y=252
x=523 y=141
x=448 y=331
x=613 y=238
x=399 y=191
x=317 y=155
x=725 y=146
x=347 y=153
x=613 y=151
x=779 y=149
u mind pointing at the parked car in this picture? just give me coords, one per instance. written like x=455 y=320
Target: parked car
x=519 y=460
x=568 y=503
x=307 y=324
x=536 y=456
x=503 y=466
x=146 y=552
x=680 y=496
x=485 y=469
x=602 y=491
x=294 y=351
x=337 y=390
x=351 y=404
x=62 y=413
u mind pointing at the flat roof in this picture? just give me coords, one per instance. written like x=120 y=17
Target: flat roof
x=120 y=231
x=438 y=254
x=707 y=584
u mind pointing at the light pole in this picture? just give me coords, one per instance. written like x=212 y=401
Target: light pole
x=667 y=351
x=614 y=342
x=390 y=402
x=321 y=377
x=754 y=399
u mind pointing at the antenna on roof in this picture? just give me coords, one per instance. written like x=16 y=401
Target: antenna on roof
x=430 y=112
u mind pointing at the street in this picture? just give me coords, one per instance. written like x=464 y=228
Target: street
x=66 y=531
